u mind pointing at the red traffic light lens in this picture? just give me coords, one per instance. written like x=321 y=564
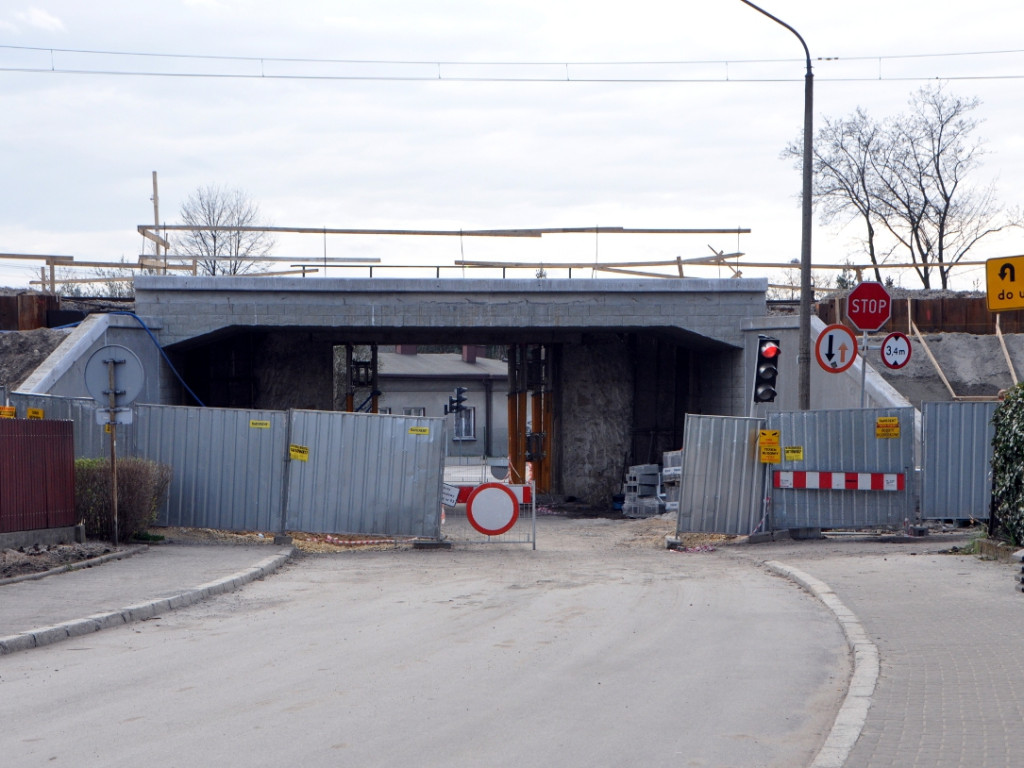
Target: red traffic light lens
x=770 y=350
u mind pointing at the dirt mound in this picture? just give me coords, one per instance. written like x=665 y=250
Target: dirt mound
x=21 y=352
x=19 y=562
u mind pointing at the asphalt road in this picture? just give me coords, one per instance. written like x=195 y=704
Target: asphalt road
x=601 y=648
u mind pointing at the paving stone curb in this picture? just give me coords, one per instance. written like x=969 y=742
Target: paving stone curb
x=853 y=713
x=36 y=638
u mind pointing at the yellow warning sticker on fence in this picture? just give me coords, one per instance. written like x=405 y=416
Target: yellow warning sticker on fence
x=769 y=437
x=257 y=424
x=419 y=430
x=770 y=454
x=298 y=452
x=7 y=412
x=35 y=413
x=794 y=452
x=887 y=427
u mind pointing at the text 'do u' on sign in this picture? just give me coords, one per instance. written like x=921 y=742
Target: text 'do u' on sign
x=492 y=508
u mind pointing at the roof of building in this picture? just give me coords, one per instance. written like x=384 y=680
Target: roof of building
x=438 y=366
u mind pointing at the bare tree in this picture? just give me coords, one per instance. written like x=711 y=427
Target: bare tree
x=844 y=174
x=906 y=179
x=223 y=241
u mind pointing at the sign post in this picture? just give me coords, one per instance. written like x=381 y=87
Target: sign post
x=114 y=376
x=868 y=308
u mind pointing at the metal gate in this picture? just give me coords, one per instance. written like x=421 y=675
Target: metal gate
x=843 y=469
x=457 y=527
x=722 y=479
x=365 y=473
x=956 y=442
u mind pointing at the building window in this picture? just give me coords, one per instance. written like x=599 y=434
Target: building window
x=465 y=424
x=414 y=411
x=384 y=411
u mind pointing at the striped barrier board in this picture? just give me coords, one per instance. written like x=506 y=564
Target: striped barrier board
x=840 y=481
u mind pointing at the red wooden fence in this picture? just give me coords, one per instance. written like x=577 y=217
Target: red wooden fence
x=935 y=315
x=37 y=475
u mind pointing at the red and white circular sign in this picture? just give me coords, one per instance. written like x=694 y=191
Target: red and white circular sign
x=835 y=348
x=896 y=350
x=868 y=306
x=492 y=508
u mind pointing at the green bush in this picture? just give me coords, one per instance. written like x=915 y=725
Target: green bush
x=1008 y=468
x=141 y=489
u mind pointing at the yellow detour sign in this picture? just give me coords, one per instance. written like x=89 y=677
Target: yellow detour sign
x=299 y=452
x=769 y=445
x=35 y=413
x=887 y=427
x=1005 y=281
x=7 y=412
x=794 y=453
x=419 y=430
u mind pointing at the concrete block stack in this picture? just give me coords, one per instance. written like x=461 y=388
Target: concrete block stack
x=641 y=491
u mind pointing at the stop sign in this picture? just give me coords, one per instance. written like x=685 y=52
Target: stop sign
x=868 y=307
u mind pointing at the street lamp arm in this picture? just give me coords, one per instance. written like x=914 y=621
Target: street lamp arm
x=777 y=20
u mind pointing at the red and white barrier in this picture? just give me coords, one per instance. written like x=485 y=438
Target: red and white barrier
x=841 y=481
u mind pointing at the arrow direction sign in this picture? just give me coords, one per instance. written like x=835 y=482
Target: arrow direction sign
x=833 y=338
x=1004 y=292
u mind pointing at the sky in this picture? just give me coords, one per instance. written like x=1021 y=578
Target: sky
x=459 y=115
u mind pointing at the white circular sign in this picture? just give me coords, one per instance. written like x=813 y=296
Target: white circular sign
x=896 y=350
x=129 y=375
x=492 y=508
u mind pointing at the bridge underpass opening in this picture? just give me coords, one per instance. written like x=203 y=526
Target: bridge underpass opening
x=579 y=407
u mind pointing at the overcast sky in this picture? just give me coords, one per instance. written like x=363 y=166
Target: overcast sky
x=470 y=145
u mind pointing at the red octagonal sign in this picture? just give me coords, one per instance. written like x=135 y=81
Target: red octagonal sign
x=868 y=307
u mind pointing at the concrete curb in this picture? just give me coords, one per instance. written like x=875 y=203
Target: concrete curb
x=853 y=713
x=36 y=638
x=119 y=555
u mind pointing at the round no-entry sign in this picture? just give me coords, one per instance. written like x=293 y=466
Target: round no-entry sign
x=868 y=307
x=492 y=508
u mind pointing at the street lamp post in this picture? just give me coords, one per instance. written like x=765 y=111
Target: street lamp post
x=804 y=350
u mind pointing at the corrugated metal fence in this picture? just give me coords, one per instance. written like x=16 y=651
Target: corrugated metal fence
x=722 y=479
x=846 y=443
x=312 y=471
x=366 y=473
x=37 y=475
x=956 y=442
x=724 y=482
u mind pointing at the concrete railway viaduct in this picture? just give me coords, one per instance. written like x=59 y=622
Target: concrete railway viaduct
x=605 y=370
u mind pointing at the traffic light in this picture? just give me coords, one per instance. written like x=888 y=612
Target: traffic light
x=458 y=403
x=767 y=370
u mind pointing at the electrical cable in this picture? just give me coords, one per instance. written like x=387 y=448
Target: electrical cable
x=167 y=360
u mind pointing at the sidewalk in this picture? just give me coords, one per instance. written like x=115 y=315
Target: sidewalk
x=38 y=612
x=943 y=632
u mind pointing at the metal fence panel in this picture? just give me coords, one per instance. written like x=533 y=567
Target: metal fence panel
x=228 y=464
x=37 y=475
x=844 y=441
x=366 y=473
x=956 y=443
x=91 y=439
x=721 y=489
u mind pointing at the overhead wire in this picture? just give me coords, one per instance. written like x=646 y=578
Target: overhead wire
x=437 y=73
